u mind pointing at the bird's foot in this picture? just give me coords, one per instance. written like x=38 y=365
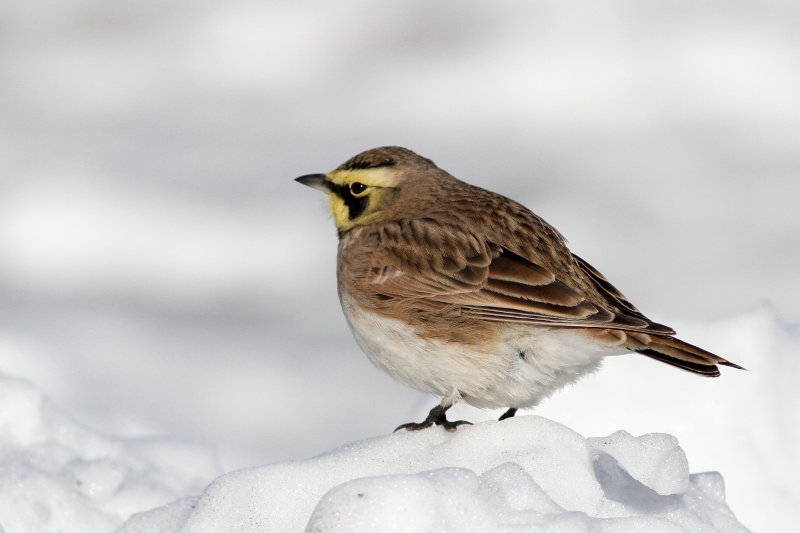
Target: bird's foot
x=452 y=426
x=436 y=416
x=508 y=414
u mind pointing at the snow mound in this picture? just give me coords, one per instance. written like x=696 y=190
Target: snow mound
x=522 y=474
x=56 y=475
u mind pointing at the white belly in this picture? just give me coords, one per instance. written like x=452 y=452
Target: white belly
x=523 y=366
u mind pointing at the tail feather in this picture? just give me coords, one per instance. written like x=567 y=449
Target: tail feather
x=708 y=369
x=683 y=355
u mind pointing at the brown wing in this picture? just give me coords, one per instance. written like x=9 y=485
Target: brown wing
x=435 y=264
x=615 y=297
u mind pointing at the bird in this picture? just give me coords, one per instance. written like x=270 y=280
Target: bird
x=467 y=295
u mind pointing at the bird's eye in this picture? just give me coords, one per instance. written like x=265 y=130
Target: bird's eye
x=357 y=189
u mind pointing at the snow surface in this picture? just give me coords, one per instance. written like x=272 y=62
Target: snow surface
x=57 y=476
x=524 y=474
x=529 y=474
x=161 y=274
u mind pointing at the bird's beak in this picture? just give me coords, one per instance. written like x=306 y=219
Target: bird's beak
x=315 y=181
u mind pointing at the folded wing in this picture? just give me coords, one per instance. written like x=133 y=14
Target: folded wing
x=437 y=264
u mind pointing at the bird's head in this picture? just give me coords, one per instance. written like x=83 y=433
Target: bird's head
x=369 y=186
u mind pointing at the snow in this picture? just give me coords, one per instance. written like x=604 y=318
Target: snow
x=165 y=282
x=57 y=475
x=666 y=471
x=527 y=473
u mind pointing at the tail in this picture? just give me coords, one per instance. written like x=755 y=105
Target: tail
x=677 y=353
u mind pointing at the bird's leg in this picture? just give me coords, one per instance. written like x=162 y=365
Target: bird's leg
x=436 y=416
x=508 y=414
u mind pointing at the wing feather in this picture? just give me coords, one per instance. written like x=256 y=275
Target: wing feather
x=435 y=264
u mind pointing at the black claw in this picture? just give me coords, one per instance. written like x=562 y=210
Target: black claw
x=436 y=416
x=508 y=414
x=413 y=426
x=452 y=426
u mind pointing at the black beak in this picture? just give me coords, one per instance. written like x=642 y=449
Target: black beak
x=315 y=181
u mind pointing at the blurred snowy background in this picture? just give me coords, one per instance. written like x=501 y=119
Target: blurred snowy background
x=161 y=273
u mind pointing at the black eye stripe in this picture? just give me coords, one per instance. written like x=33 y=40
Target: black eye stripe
x=355 y=204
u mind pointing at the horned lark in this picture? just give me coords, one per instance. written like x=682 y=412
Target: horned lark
x=462 y=293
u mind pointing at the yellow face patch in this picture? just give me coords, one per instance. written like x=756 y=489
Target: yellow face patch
x=374 y=177
x=339 y=211
x=357 y=193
